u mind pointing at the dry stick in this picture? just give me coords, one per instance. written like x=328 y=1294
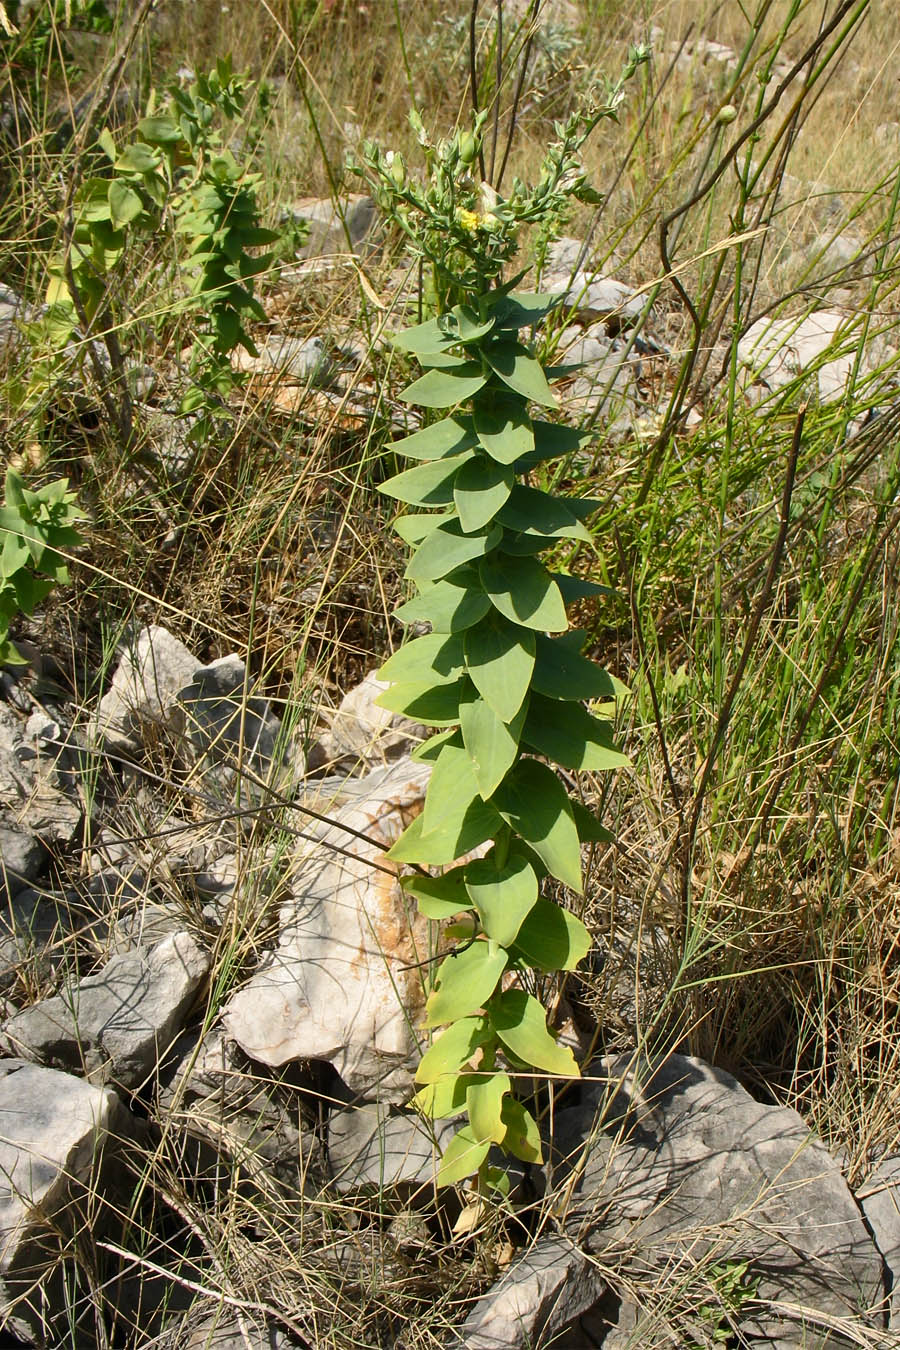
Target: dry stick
x=237 y=813
x=498 y=80
x=216 y=1295
x=473 y=78
x=701 y=191
x=654 y=699
x=732 y=692
x=775 y=790
x=531 y=20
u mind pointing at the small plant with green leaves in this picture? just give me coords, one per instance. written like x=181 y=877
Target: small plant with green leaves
x=175 y=174
x=500 y=674
x=35 y=525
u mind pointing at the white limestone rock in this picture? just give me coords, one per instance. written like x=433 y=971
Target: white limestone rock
x=344 y=984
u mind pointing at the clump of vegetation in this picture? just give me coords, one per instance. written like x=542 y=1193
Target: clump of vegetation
x=742 y=533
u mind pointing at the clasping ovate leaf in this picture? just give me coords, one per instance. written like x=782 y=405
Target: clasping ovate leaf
x=521 y=1023
x=462 y=1156
x=523 y=590
x=464 y=982
x=491 y=744
x=533 y=801
x=550 y=938
x=452 y=1049
x=500 y=659
x=503 y=896
x=446 y=388
x=484 y=1101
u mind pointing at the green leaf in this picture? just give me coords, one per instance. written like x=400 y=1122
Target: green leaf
x=464 y=982
x=462 y=1156
x=107 y=144
x=484 y=1100
x=561 y=672
x=500 y=660
x=522 y=1138
x=445 y=388
x=570 y=736
x=491 y=744
x=535 y=512
x=480 y=489
x=415 y=527
x=446 y=844
x=423 y=337
x=452 y=789
x=446 y=548
x=590 y=831
x=503 y=427
x=524 y=309
x=463 y=325
x=578 y=588
x=440 y=1100
x=552 y=440
x=451 y=436
x=428 y=484
x=428 y=751
x=523 y=591
x=551 y=938
x=519 y=370
x=503 y=896
x=520 y=1022
x=159 y=130
x=433 y=659
x=434 y=705
x=452 y=1049
x=439 y=897
x=137 y=158
x=450 y=605
x=533 y=801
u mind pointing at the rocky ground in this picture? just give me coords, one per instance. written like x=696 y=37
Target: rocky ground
x=211 y=980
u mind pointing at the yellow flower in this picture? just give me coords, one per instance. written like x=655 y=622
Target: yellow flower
x=467 y=219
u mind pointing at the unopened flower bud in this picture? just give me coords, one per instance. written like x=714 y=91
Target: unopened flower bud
x=727 y=114
x=468 y=147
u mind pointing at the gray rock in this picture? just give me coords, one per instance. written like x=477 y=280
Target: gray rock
x=592 y=299
x=29 y=923
x=608 y=380
x=22 y=857
x=36 y=810
x=211 y=1094
x=13 y=313
x=370 y=1146
x=879 y=1199
x=225 y=724
x=837 y=253
x=344 y=984
x=145 y=689
x=327 y=233
x=303 y=359
x=55 y=1146
x=537 y=1298
x=115 y=1025
x=678 y=1161
x=365 y=731
x=821 y=346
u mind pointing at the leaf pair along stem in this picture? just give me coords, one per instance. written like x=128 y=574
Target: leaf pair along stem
x=503 y=681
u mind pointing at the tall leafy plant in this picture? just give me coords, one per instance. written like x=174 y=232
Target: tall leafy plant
x=500 y=675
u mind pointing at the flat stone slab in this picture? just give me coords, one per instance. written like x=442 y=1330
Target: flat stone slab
x=115 y=1025
x=54 y=1128
x=540 y=1295
x=344 y=983
x=676 y=1162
